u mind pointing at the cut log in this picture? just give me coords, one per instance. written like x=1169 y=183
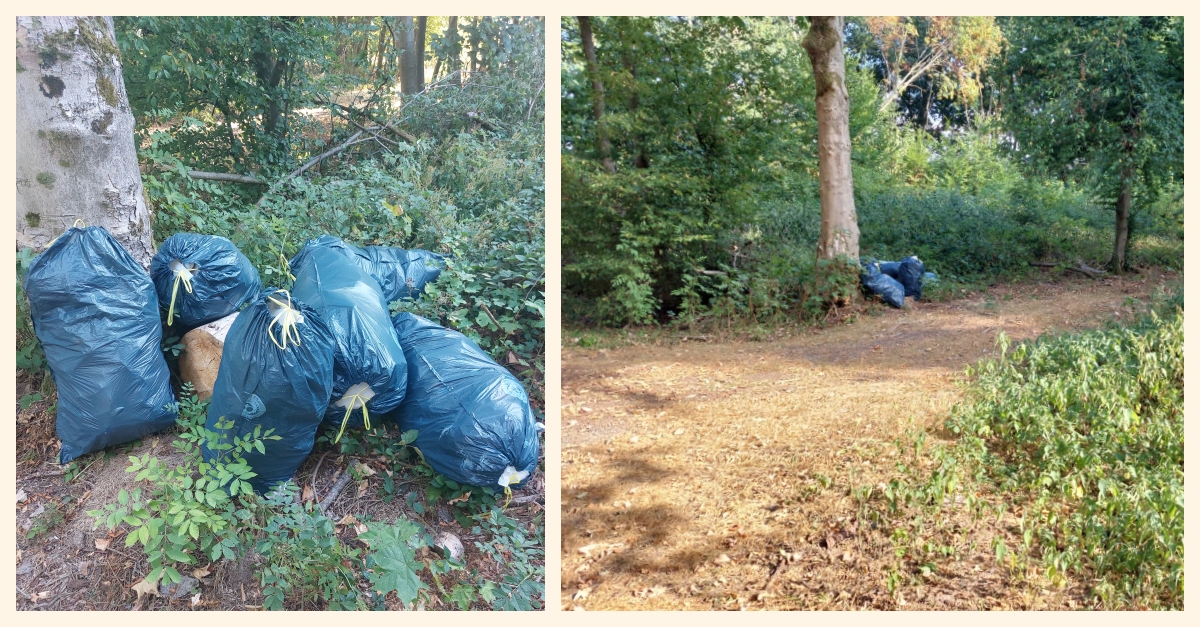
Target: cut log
x=201 y=356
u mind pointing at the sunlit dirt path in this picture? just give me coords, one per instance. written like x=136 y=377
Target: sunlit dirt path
x=688 y=469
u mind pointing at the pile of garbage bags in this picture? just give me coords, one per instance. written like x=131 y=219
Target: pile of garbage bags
x=325 y=351
x=894 y=280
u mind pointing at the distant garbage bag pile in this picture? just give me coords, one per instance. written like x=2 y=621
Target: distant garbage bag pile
x=284 y=361
x=894 y=280
x=276 y=373
x=202 y=278
x=95 y=312
x=369 y=372
x=401 y=274
x=472 y=416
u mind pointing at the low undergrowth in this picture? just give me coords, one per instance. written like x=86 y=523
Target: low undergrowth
x=1067 y=457
x=190 y=515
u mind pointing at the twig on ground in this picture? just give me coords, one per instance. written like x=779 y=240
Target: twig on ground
x=313 y=480
x=341 y=483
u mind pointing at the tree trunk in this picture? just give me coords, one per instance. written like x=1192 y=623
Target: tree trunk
x=593 y=72
x=76 y=158
x=640 y=161
x=1122 y=235
x=456 y=57
x=406 y=43
x=420 y=45
x=839 y=221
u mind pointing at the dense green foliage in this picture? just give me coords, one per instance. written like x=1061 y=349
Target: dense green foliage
x=1091 y=97
x=458 y=169
x=1070 y=448
x=1088 y=430
x=713 y=211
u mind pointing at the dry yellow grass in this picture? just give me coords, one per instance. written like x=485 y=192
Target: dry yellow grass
x=698 y=476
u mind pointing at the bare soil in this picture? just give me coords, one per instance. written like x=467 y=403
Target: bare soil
x=694 y=475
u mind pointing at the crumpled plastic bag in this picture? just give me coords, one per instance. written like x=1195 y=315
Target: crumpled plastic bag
x=370 y=375
x=879 y=283
x=401 y=274
x=276 y=373
x=95 y=313
x=202 y=278
x=473 y=419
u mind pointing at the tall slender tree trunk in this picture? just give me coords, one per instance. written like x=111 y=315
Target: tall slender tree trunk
x=640 y=161
x=406 y=42
x=593 y=72
x=76 y=157
x=456 y=57
x=839 y=221
x=1124 y=200
x=420 y=46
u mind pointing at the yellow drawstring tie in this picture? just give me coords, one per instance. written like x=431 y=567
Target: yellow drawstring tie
x=287 y=267
x=350 y=408
x=78 y=222
x=288 y=319
x=186 y=275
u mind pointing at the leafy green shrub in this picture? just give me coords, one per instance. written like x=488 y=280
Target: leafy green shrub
x=190 y=510
x=1088 y=429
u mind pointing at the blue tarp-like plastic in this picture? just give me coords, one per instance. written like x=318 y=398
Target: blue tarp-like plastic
x=908 y=272
x=879 y=283
x=96 y=315
x=400 y=273
x=286 y=389
x=207 y=277
x=472 y=416
x=368 y=351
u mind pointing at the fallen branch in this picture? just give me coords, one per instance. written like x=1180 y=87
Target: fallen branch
x=1081 y=271
x=711 y=272
x=225 y=176
x=342 y=482
x=354 y=139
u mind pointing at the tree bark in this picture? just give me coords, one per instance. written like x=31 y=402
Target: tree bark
x=593 y=72
x=76 y=158
x=406 y=43
x=420 y=45
x=456 y=57
x=839 y=221
x=640 y=161
x=1124 y=200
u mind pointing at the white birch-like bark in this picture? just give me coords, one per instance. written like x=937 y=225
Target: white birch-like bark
x=76 y=158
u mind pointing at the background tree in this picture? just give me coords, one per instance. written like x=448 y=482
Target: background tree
x=75 y=141
x=839 y=221
x=603 y=146
x=930 y=67
x=1099 y=101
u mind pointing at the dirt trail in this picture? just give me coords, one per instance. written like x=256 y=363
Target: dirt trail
x=688 y=469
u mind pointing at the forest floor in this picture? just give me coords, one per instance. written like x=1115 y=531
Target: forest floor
x=60 y=564
x=697 y=475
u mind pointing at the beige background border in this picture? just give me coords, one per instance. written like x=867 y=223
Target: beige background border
x=553 y=362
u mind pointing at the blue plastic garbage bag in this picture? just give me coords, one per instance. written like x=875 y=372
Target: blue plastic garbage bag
x=96 y=315
x=400 y=273
x=276 y=373
x=202 y=278
x=879 y=283
x=908 y=271
x=472 y=416
x=370 y=376
x=911 y=270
